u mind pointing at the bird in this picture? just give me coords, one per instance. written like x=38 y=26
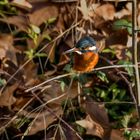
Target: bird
x=85 y=55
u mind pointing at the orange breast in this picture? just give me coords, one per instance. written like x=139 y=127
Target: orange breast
x=85 y=62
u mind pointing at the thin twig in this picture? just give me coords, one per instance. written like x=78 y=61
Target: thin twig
x=135 y=52
x=54 y=78
x=113 y=66
x=68 y=74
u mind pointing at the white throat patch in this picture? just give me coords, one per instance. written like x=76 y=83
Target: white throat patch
x=92 y=48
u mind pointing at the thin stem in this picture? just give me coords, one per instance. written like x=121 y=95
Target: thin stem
x=41 y=84
x=135 y=56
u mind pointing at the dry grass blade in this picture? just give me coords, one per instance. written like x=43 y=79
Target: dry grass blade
x=84 y=9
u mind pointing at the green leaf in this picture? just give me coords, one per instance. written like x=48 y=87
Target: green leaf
x=128 y=69
x=108 y=50
x=3 y=2
x=130 y=135
x=112 y=87
x=2 y=82
x=126 y=120
x=123 y=24
x=87 y=91
x=46 y=36
x=41 y=54
x=129 y=28
x=120 y=24
x=67 y=68
x=30 y=53
x=103 y=94
x=122 y=94
x=51 y=20
x=62 y=85
x=35 y=29
x=102 y=76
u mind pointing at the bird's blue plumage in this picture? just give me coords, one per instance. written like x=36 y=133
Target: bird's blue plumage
x=85 y=41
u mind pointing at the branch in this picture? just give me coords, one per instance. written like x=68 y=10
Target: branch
x=135 y=52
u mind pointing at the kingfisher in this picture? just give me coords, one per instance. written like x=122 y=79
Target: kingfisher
x=85 y=55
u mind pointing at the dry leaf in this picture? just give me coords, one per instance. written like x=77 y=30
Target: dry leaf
x=20 y=102
x=9 y=67
x=116 y=135
x=65 y=132
x=5 y=115
x=69 y=133
x=7 y=98
x=30 y=74
x=53 y=97
x=122 y=13
x=54 y=94
x=92 y=128
x=6 y=48
x=20 y=21
x=129 y=6
x=84 y=9
x=64 y=59
x=120 y=51
x=43 y=120
x=106 y=11
x=118 y=37
x=42 y=13
x=23 y=3
x=98 y=113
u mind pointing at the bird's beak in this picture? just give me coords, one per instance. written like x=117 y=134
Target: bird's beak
x=70 y=50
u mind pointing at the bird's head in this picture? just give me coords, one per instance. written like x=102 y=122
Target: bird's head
x=85 y=44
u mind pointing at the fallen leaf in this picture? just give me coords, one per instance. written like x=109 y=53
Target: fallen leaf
x=20 y=21
x=42 y=13
x=6 y=115
x=20 y=102
x=22 y=3
x=6 y=48
x=10 y=68
x=98 y=113
x=7 y=98
x=116 y=135
x=30 y=74
x=118 y=37
x=52 y=96
x=129 y=6
x=58 y=96
x=43 y=120
x=122 y=13
x=92 y=128
x=106 y=11
x=120 y=51
x=64 y=59
x=65 y=132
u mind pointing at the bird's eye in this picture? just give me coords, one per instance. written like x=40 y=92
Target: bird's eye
x=84 y=48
